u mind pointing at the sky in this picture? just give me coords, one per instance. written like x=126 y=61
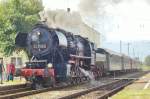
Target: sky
x=131 y=21
x=125 y=20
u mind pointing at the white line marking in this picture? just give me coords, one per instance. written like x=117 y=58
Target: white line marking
x=147 y=84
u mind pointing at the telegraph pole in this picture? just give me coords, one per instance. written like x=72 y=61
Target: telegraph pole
x=133 y=53
x=120 y=46
x=128 y=48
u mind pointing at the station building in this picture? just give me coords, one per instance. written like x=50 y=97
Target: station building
x=18 y=58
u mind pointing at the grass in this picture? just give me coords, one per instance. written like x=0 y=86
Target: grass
x=133 y=94
x=144 y=67
x=135 y=90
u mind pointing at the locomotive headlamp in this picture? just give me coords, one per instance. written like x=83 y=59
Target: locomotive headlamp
x=34 y=37
x=24 y=65
x=38 y=33
x=49 y=65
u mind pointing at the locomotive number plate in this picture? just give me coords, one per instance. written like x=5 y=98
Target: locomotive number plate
x=37 y=46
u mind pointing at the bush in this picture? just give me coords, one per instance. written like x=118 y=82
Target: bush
x=147 y=60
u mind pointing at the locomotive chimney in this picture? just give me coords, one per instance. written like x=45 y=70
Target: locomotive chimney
x=68 y=10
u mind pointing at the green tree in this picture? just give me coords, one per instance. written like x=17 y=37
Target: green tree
x=147 y=60
x=16 y=16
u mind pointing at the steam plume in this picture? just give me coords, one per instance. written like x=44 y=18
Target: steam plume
x=62 y=19
x=70 y=21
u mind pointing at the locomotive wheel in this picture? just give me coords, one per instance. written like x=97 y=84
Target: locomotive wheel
x=77 y=80
x=73 y=81
x=37 y=83
x=69 y=81
x=36 y=86
x=80 y=79
x=84 y=79
x=49 y=82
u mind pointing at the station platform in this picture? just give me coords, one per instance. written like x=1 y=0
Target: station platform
x=16 y=81
x=140 y=89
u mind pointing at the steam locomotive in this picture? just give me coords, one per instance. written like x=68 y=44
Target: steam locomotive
x=59 y=56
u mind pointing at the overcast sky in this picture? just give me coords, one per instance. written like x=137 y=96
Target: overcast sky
x=128 y=20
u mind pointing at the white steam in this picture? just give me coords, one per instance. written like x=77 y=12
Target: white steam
x=89 y=74
x=95 y=14
x=62 y=19
x=89 y=7
x=70 y=21
x=96 y=7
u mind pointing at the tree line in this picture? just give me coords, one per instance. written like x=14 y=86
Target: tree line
x=16 y=16
x=147 y=60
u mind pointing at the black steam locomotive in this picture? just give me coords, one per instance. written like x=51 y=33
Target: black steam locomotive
x=58 y=56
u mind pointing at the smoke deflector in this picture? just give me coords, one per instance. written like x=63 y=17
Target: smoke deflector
x=21 y=39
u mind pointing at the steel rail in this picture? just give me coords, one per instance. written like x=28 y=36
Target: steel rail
x=119 y=84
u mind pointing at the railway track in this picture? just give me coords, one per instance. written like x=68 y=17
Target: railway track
x=103 y=91
x=11 y=91
x=7 y=91
x=9 y=87
x=17 y=91
x=20 y=91
x=99 y=92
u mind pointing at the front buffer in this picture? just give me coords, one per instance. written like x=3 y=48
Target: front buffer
x=39 y=77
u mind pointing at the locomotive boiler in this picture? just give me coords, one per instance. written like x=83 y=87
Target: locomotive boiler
x=55 y=56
